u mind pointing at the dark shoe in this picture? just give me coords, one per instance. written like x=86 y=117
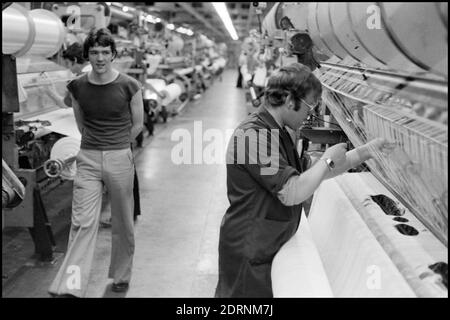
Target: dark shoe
x=120 y=287
x=66 y=295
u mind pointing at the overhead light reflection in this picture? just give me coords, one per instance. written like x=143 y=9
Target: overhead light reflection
x=222 y=11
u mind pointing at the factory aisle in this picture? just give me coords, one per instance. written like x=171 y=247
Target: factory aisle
x=182 y=206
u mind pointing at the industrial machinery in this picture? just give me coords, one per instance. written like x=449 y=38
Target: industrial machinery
x=13 y=191
x=28 y=129
x=383 y=232
x=179 y=73
x=41 y=140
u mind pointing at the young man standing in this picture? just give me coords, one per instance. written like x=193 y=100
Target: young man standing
x=109 y=114
x=267 y=182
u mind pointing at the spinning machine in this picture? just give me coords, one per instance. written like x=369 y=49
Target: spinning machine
x=382 y=232
x=32 y=124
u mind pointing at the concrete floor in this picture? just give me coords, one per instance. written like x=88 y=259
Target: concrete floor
x=182 y=207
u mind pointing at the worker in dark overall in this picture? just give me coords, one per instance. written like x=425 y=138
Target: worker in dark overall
x=267 y=181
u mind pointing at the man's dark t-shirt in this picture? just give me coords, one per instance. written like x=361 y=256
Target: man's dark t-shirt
x=106 y=111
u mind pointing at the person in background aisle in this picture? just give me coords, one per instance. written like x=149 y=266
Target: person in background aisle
x=136 y=197
x=267 y=181
x=242 y=61
x=109 y=114
x=148 y=123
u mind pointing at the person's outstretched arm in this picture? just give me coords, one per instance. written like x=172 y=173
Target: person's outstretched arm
x=299 y=188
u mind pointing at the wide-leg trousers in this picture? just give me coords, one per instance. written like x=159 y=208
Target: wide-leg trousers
x=114 y=168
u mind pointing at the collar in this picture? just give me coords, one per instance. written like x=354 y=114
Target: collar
x=265 y=116
x=285 y=138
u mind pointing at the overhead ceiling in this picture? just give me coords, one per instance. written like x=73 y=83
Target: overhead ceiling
x=202 y=17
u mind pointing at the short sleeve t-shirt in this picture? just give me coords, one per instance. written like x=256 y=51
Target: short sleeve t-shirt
x=106 y=111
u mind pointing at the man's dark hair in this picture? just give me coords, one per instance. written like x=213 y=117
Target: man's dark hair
x=295 y=79
x=74 y=53
x=101 y=37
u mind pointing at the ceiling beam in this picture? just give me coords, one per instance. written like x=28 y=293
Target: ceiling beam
x=188 y=8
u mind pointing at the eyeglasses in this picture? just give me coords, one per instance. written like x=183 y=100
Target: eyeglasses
x=312 y=109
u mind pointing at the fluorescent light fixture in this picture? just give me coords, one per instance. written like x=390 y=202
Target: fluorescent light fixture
x=109 y=3
x=158 y=20
x=222 y=11
x=170 y=26
x=125 y=8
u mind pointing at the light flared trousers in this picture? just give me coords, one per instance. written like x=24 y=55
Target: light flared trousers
x=114 y=168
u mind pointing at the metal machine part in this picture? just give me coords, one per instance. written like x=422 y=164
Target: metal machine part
x=32 y=36
x=405 y=37
x=384 y=74
x=62 y=162
x=13 y=190
x=38 y=31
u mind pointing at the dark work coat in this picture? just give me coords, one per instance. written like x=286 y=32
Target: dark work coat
x=256 y=224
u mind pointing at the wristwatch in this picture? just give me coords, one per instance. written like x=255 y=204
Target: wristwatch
x=329 y=162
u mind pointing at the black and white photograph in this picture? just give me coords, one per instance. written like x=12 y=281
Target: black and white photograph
x=225 y=150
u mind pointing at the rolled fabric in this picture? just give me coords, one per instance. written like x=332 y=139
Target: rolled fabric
x=153 y=61
x=18 y=30
x=36 y=32
x=158 y=84
x=172 y=92
x=150 y=95
x=260 y=76
x=50 y=33
x=297 y=270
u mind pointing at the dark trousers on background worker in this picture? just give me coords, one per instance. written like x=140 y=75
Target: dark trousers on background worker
x=239 y=80
x=136 y=196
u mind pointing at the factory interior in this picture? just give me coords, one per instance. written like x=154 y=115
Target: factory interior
x=377 y=230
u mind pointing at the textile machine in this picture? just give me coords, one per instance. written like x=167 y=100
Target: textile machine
x=381 y=232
